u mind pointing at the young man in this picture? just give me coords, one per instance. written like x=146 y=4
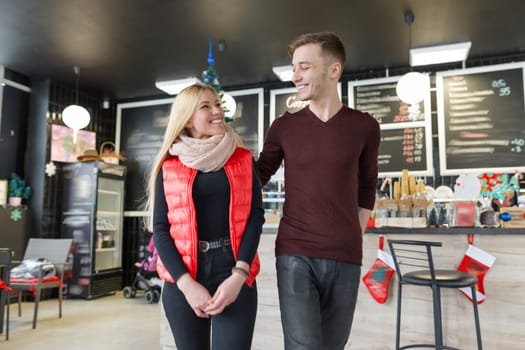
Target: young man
x=330 y=156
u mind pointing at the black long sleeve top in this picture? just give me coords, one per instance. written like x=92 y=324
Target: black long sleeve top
x=211 y=196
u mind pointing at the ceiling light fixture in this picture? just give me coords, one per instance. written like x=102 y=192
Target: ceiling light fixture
x=424 y=56
x=173 y=87
x=285 y=73
x=75 y=116
x=413 y=86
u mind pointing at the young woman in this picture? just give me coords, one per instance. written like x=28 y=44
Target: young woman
x=206 y=201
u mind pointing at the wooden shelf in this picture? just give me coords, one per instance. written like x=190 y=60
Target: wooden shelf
x=452 y=230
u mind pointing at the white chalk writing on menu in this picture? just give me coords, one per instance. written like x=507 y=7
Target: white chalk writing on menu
x=381 y=102
x=482 y=119
x=405 y=129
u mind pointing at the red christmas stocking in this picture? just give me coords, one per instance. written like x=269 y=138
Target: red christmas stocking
x=377 y=279
x=476 y=262
x=4 y=286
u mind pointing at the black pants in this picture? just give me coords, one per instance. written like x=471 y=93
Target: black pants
x=317 y=299
x=232 y=329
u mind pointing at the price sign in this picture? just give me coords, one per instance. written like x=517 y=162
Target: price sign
x=481 y=119
x=406 y=130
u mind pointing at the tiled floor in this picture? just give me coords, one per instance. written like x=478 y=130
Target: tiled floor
x=115 y=323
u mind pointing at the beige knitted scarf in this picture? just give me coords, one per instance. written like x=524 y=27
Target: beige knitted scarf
x=206 y=155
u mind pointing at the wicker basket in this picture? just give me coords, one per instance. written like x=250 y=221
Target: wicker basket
x=113 y=157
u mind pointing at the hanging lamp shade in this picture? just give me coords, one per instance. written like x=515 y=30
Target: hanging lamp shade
x=75 y=116
x=413 y=87
x=229 y=105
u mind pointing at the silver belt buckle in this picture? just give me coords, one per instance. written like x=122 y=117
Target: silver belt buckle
x=204 y=246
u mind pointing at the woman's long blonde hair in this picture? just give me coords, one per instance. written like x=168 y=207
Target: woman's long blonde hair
x=181 y=112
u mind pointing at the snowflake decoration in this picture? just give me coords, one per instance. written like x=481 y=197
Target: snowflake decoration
x=16 y=215
x=51 y=169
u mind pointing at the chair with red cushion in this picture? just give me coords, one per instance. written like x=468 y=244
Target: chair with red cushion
x=6 y=257
x=54 y=251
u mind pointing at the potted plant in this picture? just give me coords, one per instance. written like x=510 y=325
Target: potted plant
x=17 y=190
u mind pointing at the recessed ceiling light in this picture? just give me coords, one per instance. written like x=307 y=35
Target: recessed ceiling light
x=173 y=87
x=425 y=56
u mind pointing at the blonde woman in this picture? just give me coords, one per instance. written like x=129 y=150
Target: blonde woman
x=207 y=216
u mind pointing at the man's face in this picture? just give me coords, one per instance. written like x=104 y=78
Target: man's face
x=310 y=72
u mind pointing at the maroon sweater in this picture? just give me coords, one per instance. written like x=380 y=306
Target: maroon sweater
x=330 y=170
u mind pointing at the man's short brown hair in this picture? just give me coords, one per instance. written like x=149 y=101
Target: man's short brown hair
x=329 y=41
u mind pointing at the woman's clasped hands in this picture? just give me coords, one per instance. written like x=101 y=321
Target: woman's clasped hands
x=200 y=300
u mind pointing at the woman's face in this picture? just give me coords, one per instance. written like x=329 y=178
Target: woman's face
x=208 y=118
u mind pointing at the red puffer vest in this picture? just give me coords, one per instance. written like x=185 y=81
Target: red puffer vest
x=178 y=183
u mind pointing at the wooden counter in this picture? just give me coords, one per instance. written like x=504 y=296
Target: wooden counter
x=446 y=231
x=502 y=314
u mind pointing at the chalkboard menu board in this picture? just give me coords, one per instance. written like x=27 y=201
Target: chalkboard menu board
x=402 y=147
x=248 y=119
x=286 y=100
x=406 y=131
x=481 y=119
x=140 y=129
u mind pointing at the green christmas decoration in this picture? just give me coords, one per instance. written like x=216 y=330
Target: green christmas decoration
x=16 y=214
x=432 y=218
x=442 y=217
x=211 y=77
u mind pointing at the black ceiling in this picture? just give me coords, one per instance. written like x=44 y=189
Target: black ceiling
x=124 y=46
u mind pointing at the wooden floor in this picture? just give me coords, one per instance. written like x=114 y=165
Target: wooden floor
x=115 y=323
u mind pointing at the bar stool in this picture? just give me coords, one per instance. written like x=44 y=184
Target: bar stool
x=415 y=266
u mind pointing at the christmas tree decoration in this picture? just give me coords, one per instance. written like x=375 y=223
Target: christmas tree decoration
x=211 y=77
x=477 y=262
x=377 y=279
x=442 y=217
x=432 y=218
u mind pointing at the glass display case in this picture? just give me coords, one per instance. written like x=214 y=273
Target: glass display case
x=273 y=200
x=93 y=217
x=108 y=224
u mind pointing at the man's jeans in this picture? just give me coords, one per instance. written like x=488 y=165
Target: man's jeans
x=317 y=298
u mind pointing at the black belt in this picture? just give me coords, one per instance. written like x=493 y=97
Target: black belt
x=204 y=246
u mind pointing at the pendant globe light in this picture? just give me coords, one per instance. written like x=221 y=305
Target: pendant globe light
x=75 y=116
x=413 y=86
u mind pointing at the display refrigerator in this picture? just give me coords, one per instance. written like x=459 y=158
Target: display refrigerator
x=93 y=217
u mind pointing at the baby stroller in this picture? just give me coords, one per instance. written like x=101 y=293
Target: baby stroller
x=146 y=278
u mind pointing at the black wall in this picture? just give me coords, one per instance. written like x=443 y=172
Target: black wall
x=13 y=127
